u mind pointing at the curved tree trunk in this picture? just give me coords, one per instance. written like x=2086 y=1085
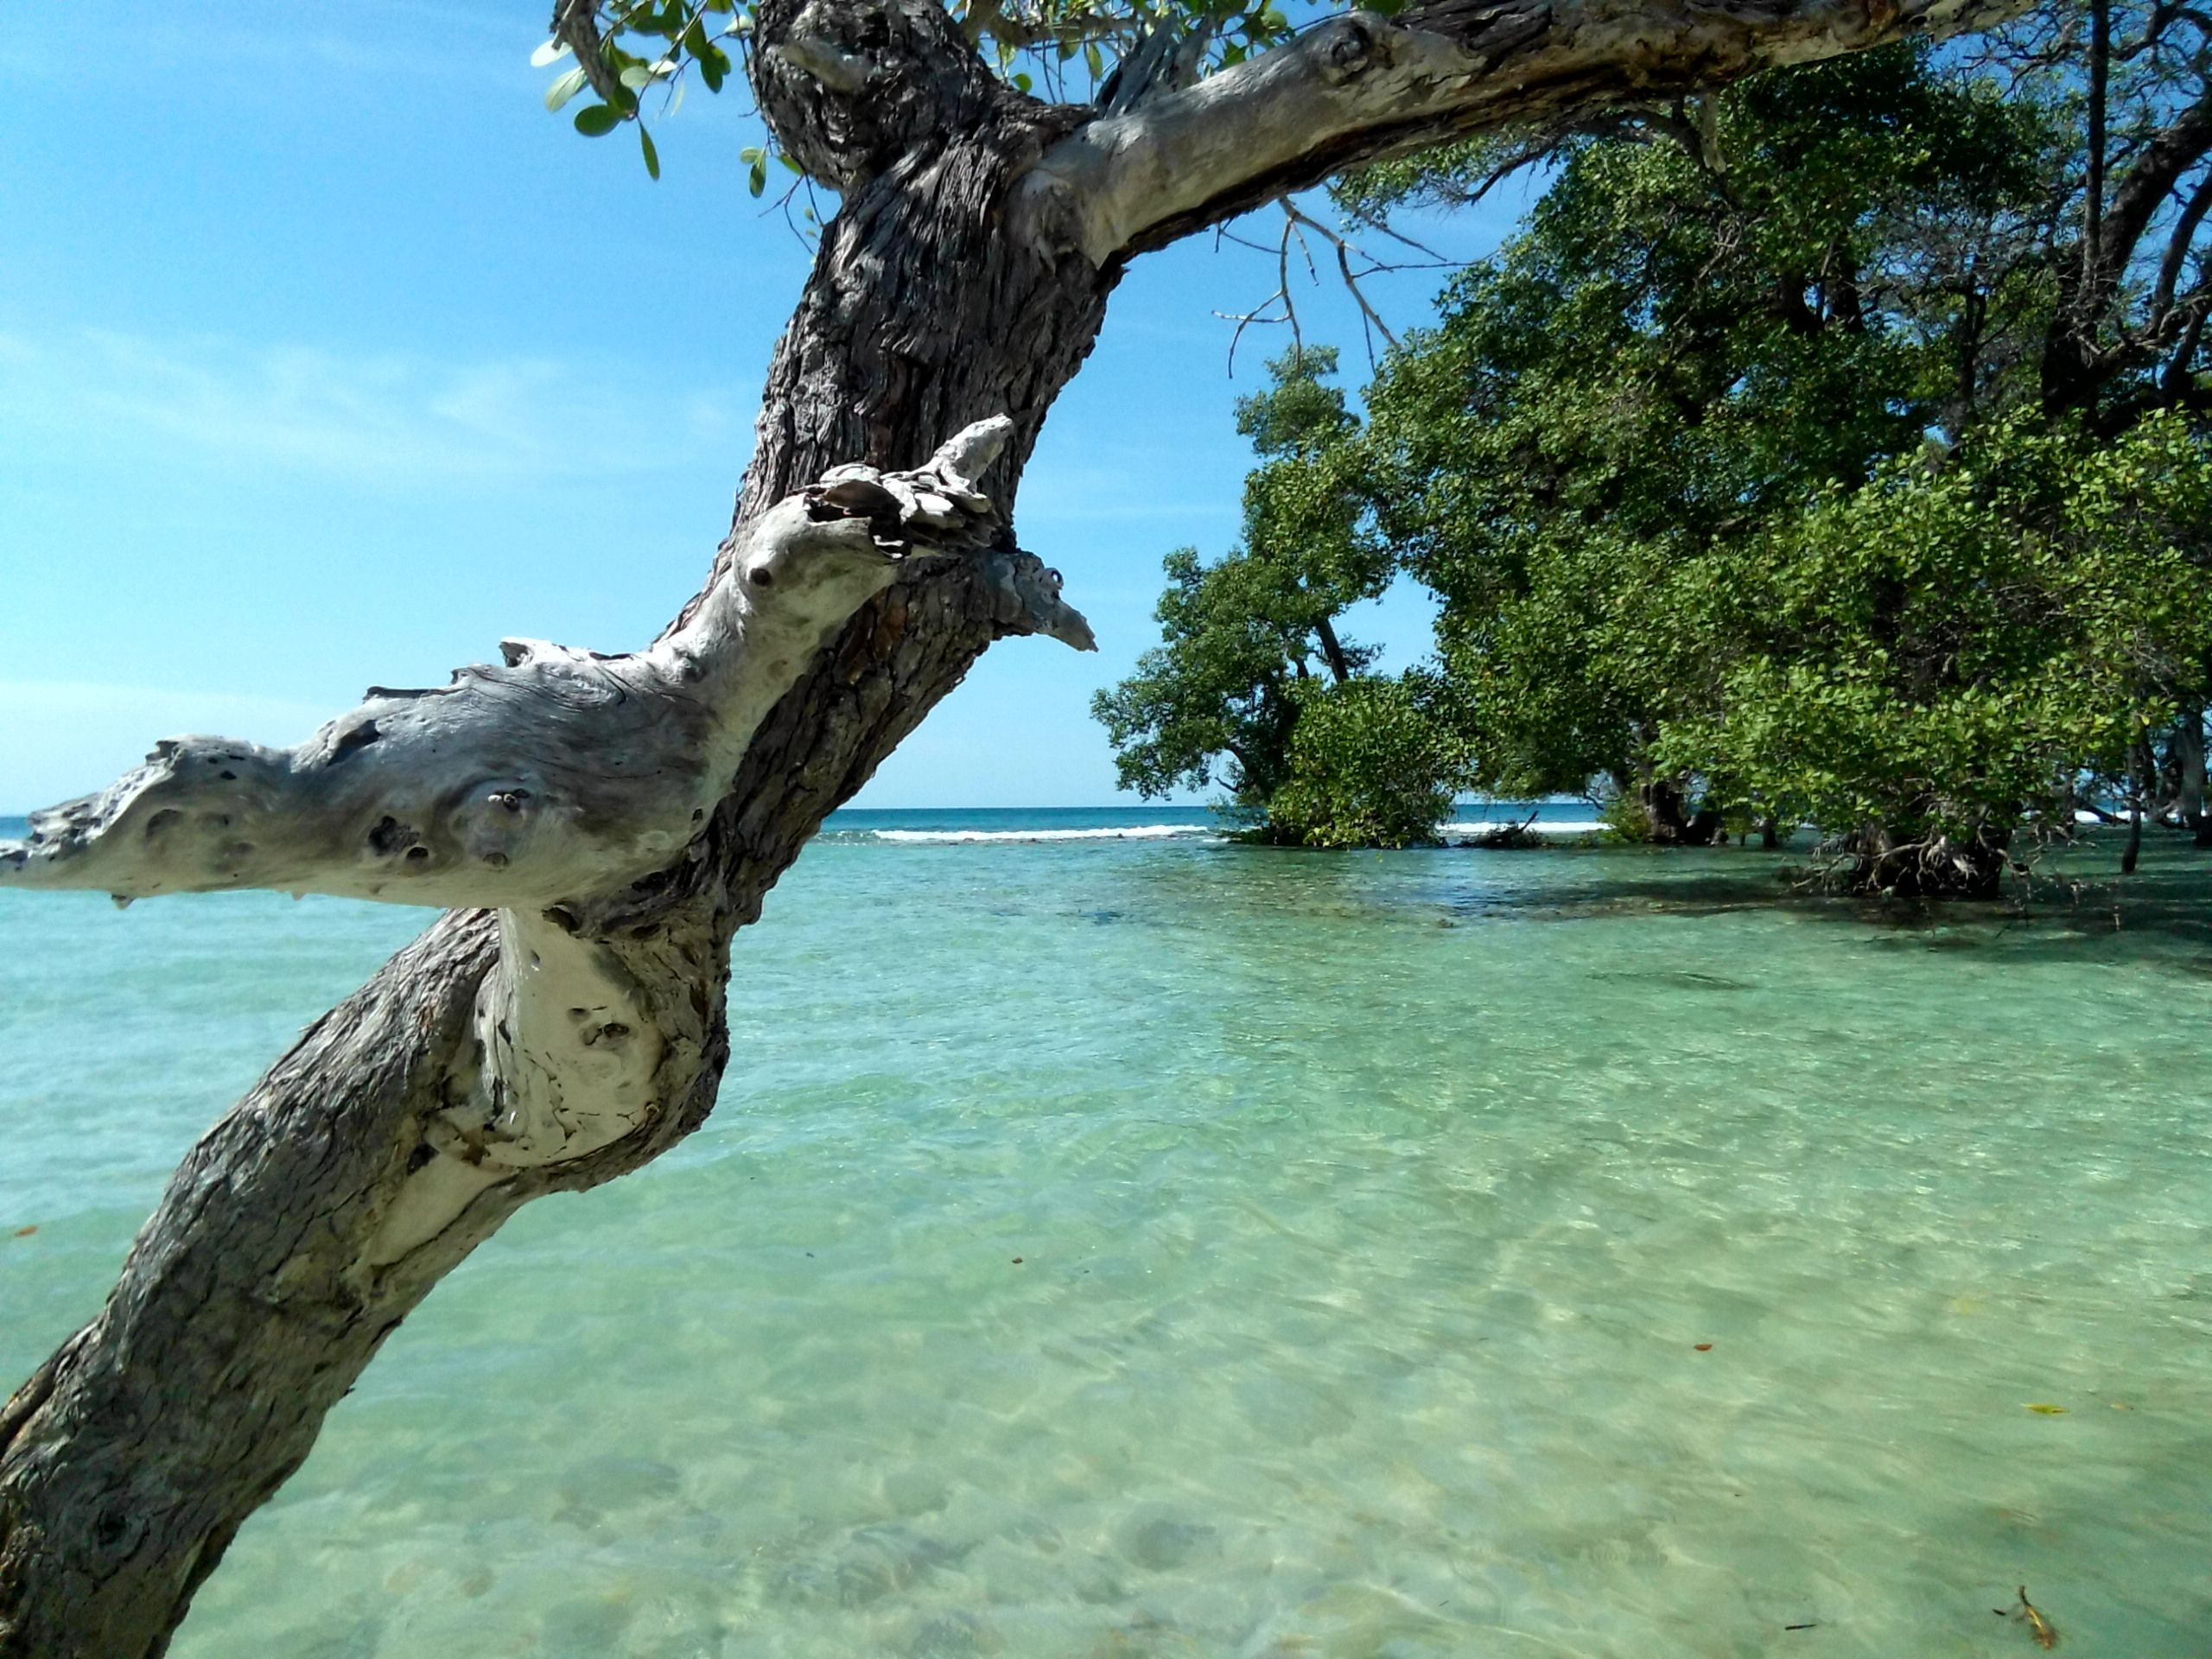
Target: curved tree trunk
x=549 y=1047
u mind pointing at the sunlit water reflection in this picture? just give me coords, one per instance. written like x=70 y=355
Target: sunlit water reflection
x=1158 y=1248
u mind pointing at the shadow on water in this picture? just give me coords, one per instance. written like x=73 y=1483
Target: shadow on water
x=2076 y=903
x=1680 y=979
x=2076 y=906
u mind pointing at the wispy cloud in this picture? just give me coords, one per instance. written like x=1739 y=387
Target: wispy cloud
x=393 y=418
x=62 y=738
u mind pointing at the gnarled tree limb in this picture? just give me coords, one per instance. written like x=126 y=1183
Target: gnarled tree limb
x=1361 y=86
x=560 y=776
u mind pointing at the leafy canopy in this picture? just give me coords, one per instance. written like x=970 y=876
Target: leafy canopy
x=1253 y=688
x=1746 y=486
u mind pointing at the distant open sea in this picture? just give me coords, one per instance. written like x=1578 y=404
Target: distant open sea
x=924 y=826
x=1113 y=1240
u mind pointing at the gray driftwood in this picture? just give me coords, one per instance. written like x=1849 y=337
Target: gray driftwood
x=618 y=819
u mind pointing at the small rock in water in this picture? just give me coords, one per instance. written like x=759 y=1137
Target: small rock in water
x=1164 y=1543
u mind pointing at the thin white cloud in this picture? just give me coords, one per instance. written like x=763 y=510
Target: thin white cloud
x=396 y=419
x=60 y=739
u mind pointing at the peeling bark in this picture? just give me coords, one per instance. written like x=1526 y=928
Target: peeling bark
x=1361 y=86
x=577 y=1031
x=559 y=777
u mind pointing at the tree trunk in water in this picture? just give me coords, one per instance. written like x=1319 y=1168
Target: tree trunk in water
x=542 y=1046
x=2189 y=751
x=1876 y=861
x=1672 y=822
x=2139 y=774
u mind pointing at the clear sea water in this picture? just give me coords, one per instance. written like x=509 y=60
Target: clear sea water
x=1140 y=1245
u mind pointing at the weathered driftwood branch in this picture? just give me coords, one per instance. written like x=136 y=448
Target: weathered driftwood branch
x=562 y=775
x=541 y=788
x=1360 y=86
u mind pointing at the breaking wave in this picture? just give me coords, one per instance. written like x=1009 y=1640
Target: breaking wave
x=1117 y=832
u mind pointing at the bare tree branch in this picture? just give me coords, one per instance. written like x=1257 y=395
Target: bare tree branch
x=1359 y=87
x=559 y=777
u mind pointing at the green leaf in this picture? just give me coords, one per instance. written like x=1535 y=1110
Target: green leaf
x=1092 y=60
x=563 y=88
x=549 y=54
x=652 y=155
x=598 y=121
x=757 y=180
x=1021 y=83
x=790 y=163
x=713 y=67
x=637 y=79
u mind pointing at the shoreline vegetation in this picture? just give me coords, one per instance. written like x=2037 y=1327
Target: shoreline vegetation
x=1888 y=515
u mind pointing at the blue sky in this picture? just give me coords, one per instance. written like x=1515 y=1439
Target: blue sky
x=327 y=357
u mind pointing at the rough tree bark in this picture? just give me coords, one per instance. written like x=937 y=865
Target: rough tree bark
x=618 y=820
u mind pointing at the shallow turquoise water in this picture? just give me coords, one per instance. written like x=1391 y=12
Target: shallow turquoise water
x=1368 y=1210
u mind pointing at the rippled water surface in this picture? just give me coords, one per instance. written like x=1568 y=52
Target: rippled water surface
x=1154 y=1247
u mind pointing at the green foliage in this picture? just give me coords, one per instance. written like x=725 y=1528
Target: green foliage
x=1036 y=43
x=1713 y=319
x=1456 y=175
x=644 y=44
x=1252 y=688
x=1740 y=480
x=1370 y=764
x=1212 y=704
x=1944 y=649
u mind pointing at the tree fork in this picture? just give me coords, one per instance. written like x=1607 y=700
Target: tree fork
x=966 y=274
